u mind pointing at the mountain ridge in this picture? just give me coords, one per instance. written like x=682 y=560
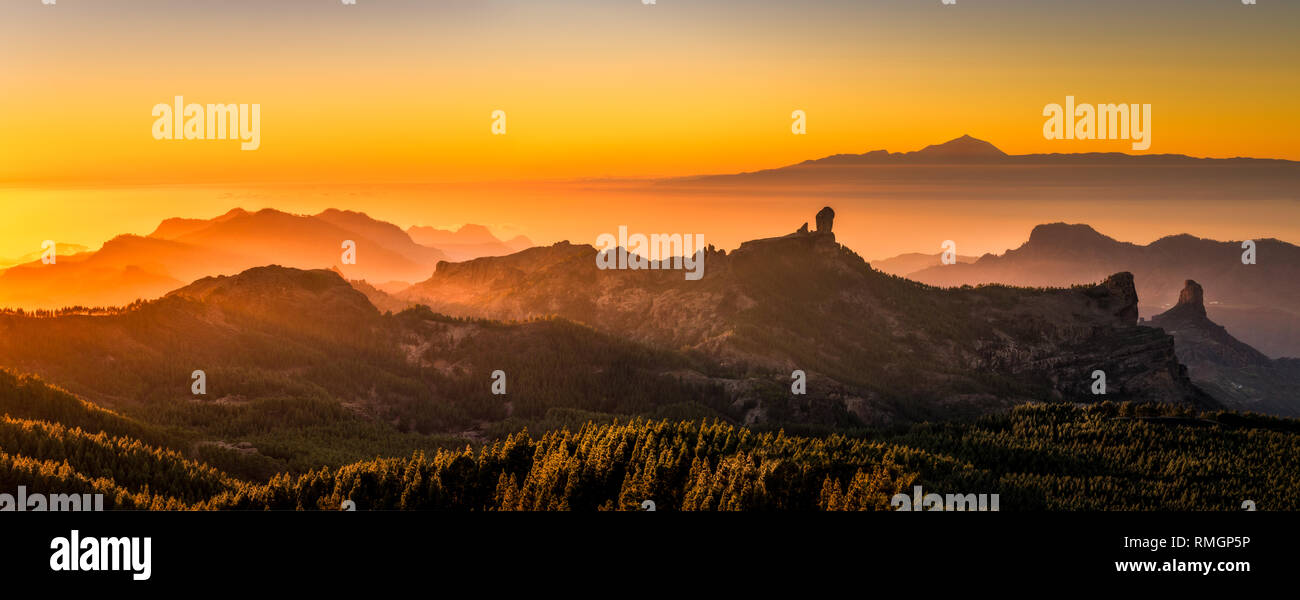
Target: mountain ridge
x=967 y=147
x=1236 y=374
x=742 y=312
x=467 y=242
x=1252 y=300
x=179 y=250
x=962 y=159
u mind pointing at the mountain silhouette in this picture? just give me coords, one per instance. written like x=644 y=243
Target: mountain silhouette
x=911 y=262
x=970 y=149
x=35 y=256
x=891 y=347
x=970 y=170
x=876 y=349
x=467 y=242
x=1255 y=301
x=283 y=347
x=1237 y=375
x=963 y=148
x=178 y=251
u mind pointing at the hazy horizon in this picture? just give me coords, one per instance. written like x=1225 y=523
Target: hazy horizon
x=361 y=106
x=878 y=222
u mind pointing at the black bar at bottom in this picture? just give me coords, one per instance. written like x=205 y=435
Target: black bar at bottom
x=214 y=550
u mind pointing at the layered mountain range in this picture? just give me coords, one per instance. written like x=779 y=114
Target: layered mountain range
x=875 y=349
x=885 y=345
x=257 y=352
x=1236 y=374
x=467 y=242
x=288 y=354
x=131 y=267
x=1255 y=301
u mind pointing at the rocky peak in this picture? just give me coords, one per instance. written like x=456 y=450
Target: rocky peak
x=1118 y=295
x=825 y=219
x=822 y=237
x=1204 y=345
x=1190 y=310
x=1192 y=297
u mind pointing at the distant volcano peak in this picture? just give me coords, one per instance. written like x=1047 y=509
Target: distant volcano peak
x=962 y=147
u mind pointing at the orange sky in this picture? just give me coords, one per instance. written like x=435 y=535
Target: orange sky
x=402 y=91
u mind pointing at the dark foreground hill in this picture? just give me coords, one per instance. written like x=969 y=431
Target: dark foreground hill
x=1055 y=457
x=300 y=368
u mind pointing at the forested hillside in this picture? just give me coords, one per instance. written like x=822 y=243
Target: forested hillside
x=314 y=397
x=302 y=371
x=1106 y=456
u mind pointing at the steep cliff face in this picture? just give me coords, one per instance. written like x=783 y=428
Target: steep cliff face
x=1256 y=302
x=885 y=344
x=1201 y=340
x=1231 y=371
x=1067 y=335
